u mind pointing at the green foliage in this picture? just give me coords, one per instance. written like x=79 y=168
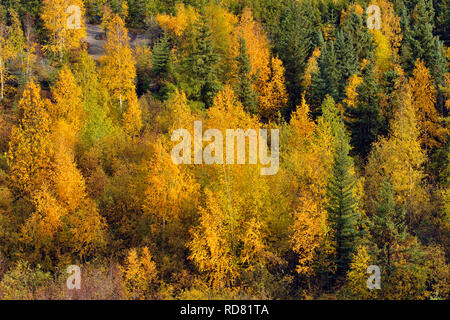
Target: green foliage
x=341 y=208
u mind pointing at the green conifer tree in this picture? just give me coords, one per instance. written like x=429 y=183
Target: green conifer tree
x=244 y=89
x=342 y=212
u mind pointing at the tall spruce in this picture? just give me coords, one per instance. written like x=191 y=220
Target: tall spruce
x=326 y=80
x=389 y=224
x=200 y=68
x=342 y=206
x=244 y=88
x=365 y=120
x=296 y=36
x=419 y=37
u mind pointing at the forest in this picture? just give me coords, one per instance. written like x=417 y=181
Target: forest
x=91 y=92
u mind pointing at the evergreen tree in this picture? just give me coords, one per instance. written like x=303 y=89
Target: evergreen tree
x=389 y=227
x=161 y=57
x=420 y=37
x=161 y=65
x=200 y=67
x=244 y=89
x=295 y=38
x=346 y=61
x=365 y=121
x=342 y=213
x=326 y=79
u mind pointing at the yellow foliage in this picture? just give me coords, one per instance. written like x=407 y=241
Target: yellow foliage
x=30 y=150
x=432 y=133
x=57 y=21
x=139 y=273
x=118 y=66
x=273 y=95
x=178 y=24
x=132 y=118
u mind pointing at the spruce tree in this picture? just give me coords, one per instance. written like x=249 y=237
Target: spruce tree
x=342 y=212
x=326 y=80
x=420 y=39
x=389 y=227
x=161 y=57
x=244 y=89
x=365 y=121
x=346 y=61
x=295 y=39
x=200 y=68
x=161 y=67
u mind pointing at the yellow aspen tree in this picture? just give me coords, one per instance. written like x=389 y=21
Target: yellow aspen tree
x=30 y=45
x=41 y=228
x=432 y=133
x=30 y=150
x=177 y=25
x=210 y=248
x=64 y=22
x=390 y=24
x=139 y=274
x=17 y=41
x=357 y=276
x=118 y=70
x=351 y=92
x=257 y=48
x=273 y=96
x=68 y=97
x=132 y=118
x=309 y=159
x=223 y=26
x=107 y=16
x=400 y=158
x=168 y=188
x=383 y=53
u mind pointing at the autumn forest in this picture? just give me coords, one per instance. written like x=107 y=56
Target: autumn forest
x=91 y=92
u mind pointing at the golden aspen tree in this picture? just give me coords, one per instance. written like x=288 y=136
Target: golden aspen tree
x=357 y=276
x=30 y=46
x=41 y=228
x=118 y=70
x=64 y=22
x=139 y=274
x=383 y=53
x=309 y=158
x=132 y=118
x=177 y=25
x=107 y=16
x=209 y=247
x=169 y=187
x=30 y=150
x=400 y=158
x=64 y=215
x=432 y=133
x=17 y=40
x=390 y=24
x=273 y=96
x=257 y=48
x=223 y=26
x=68 y=97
